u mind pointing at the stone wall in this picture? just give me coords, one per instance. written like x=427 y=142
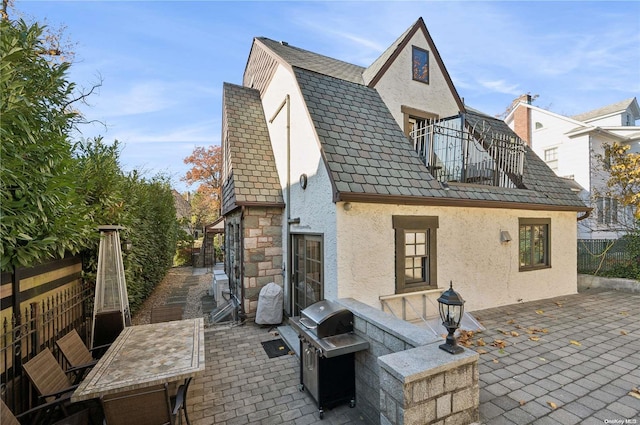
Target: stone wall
x=426 y=385
x=586 y=281
x=262 y=255
x=391 y=394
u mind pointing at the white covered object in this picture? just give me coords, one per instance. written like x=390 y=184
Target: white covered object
x=269 y=305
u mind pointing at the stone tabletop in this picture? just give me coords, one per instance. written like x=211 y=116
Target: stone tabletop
x=147 y=355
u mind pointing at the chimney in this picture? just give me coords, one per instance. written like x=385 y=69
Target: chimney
x=522 y=118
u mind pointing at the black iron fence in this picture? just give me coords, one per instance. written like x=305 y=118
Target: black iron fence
x=36 y=328
x=601 y=255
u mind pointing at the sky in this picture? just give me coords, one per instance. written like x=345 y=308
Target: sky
x=162 y=64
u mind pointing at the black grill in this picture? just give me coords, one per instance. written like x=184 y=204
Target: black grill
x=327 y=353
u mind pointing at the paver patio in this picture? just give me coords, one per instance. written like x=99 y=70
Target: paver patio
x=551 y=380
x=570 y=360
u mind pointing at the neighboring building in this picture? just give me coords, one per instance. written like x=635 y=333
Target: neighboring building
x=571 y=147
x=183 y=211
x=379 y=184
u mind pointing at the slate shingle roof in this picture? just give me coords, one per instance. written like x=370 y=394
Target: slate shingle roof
x=364 y=148
x=367 y=152
x=542 y=184
x=379 y=63
x=254 y=178
x=369 y=157
x=305 y=59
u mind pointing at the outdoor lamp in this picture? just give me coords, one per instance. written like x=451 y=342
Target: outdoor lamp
x=451 y=307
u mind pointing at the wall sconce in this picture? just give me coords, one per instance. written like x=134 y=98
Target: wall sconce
x=347 y=206
x=505 y=236
x=451 y=307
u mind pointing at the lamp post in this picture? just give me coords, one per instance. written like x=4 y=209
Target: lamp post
x=451 y=307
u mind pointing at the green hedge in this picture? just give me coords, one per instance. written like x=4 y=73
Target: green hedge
x=53 y=193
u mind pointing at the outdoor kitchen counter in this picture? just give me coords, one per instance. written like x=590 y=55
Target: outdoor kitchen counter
x=147 y=355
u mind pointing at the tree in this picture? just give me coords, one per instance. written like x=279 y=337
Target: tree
x=41 y=213
x=624 y=180
x=621 y=170
x=206 y=170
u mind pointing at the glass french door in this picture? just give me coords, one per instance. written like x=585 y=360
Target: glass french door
x=307 y=271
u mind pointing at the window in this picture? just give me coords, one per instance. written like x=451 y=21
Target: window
x=551 y=158
x=420 y=65
x=307 y=271
x=535 y=246
x=539 y=125
x=415 y=252
x=606 y=210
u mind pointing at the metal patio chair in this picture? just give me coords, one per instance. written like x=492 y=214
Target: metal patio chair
x=53 y=386
x=77 y=355
x=49 y=380
x=144 y=406
x=30 y=416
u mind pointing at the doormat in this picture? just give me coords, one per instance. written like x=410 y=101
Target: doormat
x=275 y=348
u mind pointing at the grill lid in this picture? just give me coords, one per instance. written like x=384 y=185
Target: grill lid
x=327 y=318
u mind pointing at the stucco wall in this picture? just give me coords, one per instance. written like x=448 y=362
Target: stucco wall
x=469 y=253
x=397 y=88
x=313 y=205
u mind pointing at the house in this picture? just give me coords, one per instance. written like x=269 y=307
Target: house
x=379 y=184
x=571 y=147
x=183 y=211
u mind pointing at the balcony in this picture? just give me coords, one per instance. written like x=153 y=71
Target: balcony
x=470 y=151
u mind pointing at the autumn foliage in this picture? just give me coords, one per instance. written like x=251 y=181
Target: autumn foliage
x=206 y=170
x=624 y=183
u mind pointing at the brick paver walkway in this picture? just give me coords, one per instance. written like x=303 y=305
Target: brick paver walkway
x=242 y=385
x=570 y=360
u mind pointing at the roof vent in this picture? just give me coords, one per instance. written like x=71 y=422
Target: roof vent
x=284 y=43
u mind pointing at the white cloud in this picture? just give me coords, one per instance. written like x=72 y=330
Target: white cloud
x=501 y=86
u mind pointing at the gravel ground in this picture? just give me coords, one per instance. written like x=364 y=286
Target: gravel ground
x=176 y=278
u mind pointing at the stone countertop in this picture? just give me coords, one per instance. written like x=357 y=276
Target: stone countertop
x=147 y=355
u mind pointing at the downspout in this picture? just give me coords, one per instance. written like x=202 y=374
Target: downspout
x=585 y=215
x=287 y=102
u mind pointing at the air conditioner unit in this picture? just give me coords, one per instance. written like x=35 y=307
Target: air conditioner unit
x=220 y=287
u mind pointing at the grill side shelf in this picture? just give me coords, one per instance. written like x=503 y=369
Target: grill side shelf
x=331 y=346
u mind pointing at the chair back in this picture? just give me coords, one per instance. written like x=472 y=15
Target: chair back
x=144 y=406
x=166 y=313
x=74 y=350
x=6 y=416
x=46 y=375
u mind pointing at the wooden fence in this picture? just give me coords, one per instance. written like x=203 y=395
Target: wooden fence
x=39 y=305
x=599 y=255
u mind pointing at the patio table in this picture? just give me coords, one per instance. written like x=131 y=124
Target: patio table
x=147 y=355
